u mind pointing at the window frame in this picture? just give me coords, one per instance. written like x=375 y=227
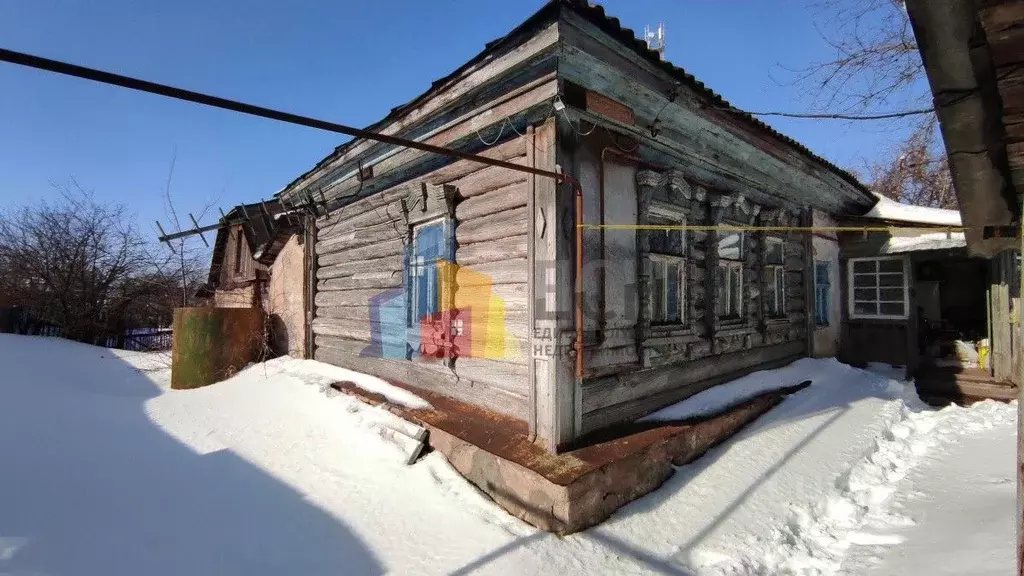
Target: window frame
x=413 y=314
x=777 y=271
x=675 y=214
x=738 y=263
x=851 y=299
x=656 y=259
x=823 y=309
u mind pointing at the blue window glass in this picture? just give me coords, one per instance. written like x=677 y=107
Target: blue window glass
x=822 y=293
x=428 y=246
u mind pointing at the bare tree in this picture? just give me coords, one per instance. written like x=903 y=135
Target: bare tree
x=915 y=174
x=79 y=264
x=874 y=60
x=190 y=260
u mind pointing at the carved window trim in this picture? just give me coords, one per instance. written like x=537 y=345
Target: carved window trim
x=666 y=195
x=728 y=266
x=774 y=276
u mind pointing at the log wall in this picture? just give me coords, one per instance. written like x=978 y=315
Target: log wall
x=360 y=256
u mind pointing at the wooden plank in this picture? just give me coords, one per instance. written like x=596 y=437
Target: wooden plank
x=346 y=297
x=429 y=378
x=384 y=201
x=388 y=249
x=416 y=168
x=706 y=142
x=389 y=264
x=752 y=142
x=489 y=179
x=507 y=376
x=466 y=128
x=501 y=225
x=388 y=230
x=491 y=251
x=605 y=392
x=379 y=280
x=357 y=313
x=354 y=329
x=511 y=271
x=498 y=200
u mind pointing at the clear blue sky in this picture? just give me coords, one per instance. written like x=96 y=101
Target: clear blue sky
x=345 y=61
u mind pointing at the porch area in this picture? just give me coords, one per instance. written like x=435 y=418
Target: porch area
x=940 y=386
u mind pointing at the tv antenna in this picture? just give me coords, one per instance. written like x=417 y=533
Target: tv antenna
x=655 y=38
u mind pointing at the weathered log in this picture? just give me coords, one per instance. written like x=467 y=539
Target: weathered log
x=380 y=280
x=488 y=179
x=358 y=313
x=347 y=297
x=389 y=230
x=491 y=251
x=340 y=222
x=363 y=331
x=507 y=376
x=389 y=264
x=430 y=378
x=508 y=151
x=500 y=225
x=504 y=198
x=395 y=247
x=386 y=198
x=511 y=271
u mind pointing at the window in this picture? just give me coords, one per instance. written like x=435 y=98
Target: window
x=729 y=276
x=775 y=277
x=428 y=245
x=822 y=292
x=667 y=260
x=878 y=288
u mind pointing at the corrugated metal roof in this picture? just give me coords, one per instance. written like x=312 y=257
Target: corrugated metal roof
x=596 y=15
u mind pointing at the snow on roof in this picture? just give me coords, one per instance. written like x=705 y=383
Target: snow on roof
x=889 y=209
x=921 y=242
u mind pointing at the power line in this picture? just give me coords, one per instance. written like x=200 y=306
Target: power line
x=67 y=69
x=826 y=116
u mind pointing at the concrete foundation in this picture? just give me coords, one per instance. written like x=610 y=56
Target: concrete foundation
x=567 y=492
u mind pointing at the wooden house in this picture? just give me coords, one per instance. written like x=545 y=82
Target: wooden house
x=460 y=278
x=259 y=260
x=913 y=295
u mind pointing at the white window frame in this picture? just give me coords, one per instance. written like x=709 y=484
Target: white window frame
x=661 y=317
x=676 y=215
x=739 y=265
x=776 y=269
x=850 y=289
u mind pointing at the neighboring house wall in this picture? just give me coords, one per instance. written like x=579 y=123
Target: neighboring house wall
x=235 y=283
x=874 y=337
x=826 y=286
x=286 y=300
x=237 y=298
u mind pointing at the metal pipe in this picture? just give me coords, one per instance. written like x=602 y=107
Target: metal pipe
x=122 y=81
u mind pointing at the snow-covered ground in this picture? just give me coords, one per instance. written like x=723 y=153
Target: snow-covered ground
x=103 y=470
